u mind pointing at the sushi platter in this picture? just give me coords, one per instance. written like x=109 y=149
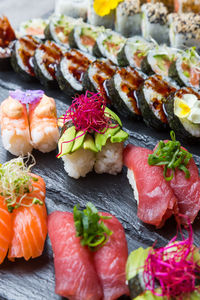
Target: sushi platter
x=34 y=279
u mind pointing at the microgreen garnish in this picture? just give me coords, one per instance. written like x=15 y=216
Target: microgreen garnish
x=175 y=268
x=28 y=96
x=16 y=182
x=170 y=155
x=90 y=227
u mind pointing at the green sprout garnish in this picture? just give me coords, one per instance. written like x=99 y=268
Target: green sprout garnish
x=16 y=182
x=90 y=227
x=170 y=155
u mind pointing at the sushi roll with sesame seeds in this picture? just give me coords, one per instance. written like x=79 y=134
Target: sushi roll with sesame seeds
x=185 y=31
x=183 y=113
x=92 y=18
x=128 y=18
x=154 y=22
x=91 y=138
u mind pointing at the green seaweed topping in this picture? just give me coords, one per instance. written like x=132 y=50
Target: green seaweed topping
x=90 y=227
x=170 y=155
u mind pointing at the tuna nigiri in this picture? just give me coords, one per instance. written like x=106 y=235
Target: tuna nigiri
x=156 y=200
x=15 y=127
x=76 y=277
x=110 y=261
x=23 y=217
x=43 y=124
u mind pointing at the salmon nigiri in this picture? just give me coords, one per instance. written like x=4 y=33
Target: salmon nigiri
x=15 y=127
x=5 y=229
x=23 y=216
x=43 y=124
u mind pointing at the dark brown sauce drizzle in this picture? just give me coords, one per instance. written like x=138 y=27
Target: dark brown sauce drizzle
x=131 y=81
x=51 y=56
x=104 y=70
x=28 y=45
x=79 y=63
x=186 y=90
x=157 y=84
x=7 y=36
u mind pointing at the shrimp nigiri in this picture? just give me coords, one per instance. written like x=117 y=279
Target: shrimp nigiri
x=43 y=124
x=15 y=127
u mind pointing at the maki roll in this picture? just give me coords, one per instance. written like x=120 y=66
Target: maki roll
x=7 y=36
x=108 y=44
x=183 y=113
x=152 y=95
x=59 y=28
x=71 y=69
x=133 y=52
x=97 y=73
x=22 y=56
x=185 y=31
x=91 y=137
x=46 y=59
x=128 y=18
x=97 y=20
x=168 y=3
x=186 y=69
x=122 y=89
x=159 y=60
x=154 y=22
x=84 y=37
x=74 y=9
x=33 y=27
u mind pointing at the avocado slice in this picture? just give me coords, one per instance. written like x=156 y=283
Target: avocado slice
x=79 y=139
x=65 y=147
x=119 y=137
x=113 y=115
x=89 y=143
x=101 y=139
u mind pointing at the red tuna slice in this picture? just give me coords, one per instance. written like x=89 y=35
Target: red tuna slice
x=157 y=201
x=75 y=274
x=187 y=191
x=110 y=261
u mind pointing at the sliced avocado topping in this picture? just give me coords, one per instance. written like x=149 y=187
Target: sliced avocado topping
x=101 y=139
x=64 y=146
x=79 y=139
x=113 y=115
x=89 y=143
x=119 y=137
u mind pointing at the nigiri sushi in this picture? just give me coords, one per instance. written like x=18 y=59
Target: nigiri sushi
x=23 y=216
x=76 y=277
x=91 y=137
x=110 y=261
x=43 y=124
x=155 y=198
x=15 y=127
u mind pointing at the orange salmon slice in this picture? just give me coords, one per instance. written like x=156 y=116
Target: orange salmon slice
x=5 y=229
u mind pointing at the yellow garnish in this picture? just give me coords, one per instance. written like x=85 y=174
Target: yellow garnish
x=182 y=110
x=103 y=7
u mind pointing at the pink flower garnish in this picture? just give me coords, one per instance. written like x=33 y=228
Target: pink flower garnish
x=28 y=96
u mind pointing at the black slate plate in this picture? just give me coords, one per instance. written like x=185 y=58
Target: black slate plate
x=34 y=279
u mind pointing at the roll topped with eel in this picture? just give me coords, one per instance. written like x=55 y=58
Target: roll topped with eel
x=91 y=137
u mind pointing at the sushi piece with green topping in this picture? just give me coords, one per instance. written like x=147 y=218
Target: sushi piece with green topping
x=134 y=51
x=186 y=69
x=33 y=27
x=59 y=28
x=108 y=44
x=122 y=89
x=92 y=138
x=183 y=113
x=152 y=95
x=84 y=37
x=159 y=60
